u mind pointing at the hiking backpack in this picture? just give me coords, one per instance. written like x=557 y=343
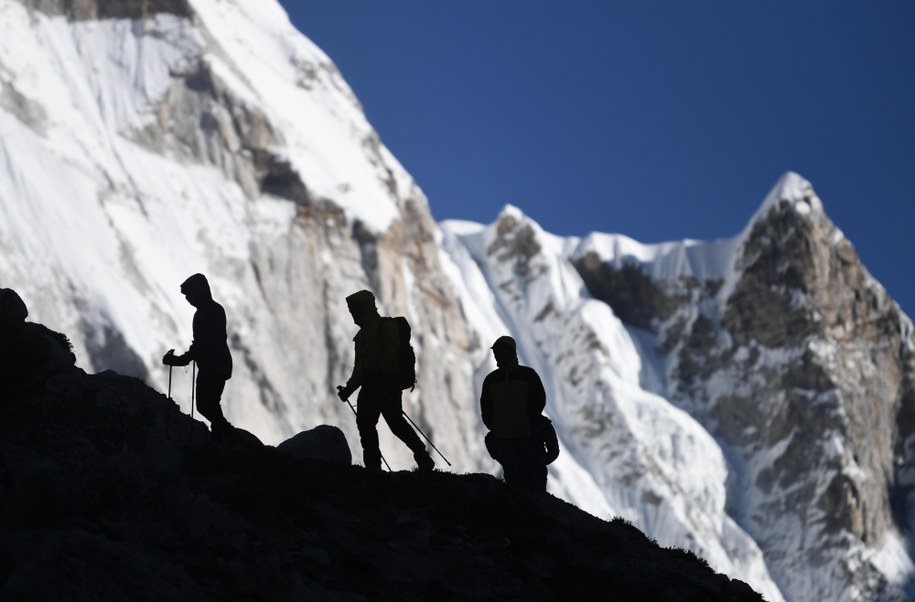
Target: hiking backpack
x=543 y=433
x=406 y=357
x=549 y=439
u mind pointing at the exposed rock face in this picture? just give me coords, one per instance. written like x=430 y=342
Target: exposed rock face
x=832 y=402
x=82 y=10
x=632 y=294
x=199 y=118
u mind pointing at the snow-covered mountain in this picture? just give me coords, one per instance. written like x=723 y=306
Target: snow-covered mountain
x=752 y=399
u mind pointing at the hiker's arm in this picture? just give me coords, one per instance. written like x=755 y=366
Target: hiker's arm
x=200 y=329
x=354 y=382
x=170 y=359
x=180 y=360
x=355 y=378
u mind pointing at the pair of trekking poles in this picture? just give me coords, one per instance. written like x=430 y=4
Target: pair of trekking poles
x=407 y=416
x=193 y=386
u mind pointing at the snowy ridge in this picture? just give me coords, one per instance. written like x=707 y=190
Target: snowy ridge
x=664 y=261
x=704 y=260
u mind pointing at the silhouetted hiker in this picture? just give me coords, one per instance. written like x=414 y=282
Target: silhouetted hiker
x=375 y=369
x=209 y=350
x=511 y=402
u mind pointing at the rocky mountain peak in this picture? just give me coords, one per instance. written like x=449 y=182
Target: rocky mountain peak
x=816 y=344
x=792 y=190
x=800 y=275
x=514 y=237
x=798 y=362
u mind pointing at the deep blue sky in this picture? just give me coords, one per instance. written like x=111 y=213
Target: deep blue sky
x=658 y=120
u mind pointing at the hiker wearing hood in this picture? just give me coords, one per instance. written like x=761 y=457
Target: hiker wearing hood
x=511 y=401
x=209 y=349
x=374 y=370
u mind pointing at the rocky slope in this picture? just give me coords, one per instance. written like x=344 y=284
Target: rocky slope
x=105 y=486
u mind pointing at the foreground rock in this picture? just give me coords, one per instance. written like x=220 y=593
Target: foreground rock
x=324 y=442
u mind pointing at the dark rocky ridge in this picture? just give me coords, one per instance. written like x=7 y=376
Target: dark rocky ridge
x=105 y=486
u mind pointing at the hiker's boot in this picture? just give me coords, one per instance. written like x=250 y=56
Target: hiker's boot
x=424 y=461
x=371 y=461
x=222 y=430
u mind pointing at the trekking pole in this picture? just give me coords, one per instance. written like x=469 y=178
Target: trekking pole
x=193 y=385
x=427 y=438
x=357 y=422
x=193 y=379
x=168 y=412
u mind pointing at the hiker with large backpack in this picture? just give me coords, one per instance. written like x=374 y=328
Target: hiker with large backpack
x=521 y=439
x=383 y=368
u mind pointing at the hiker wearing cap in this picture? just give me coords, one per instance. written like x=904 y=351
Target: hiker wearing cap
x=209 y=349
x=375 y=370
x=511 y=401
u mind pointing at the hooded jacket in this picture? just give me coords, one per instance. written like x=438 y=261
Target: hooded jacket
x=376 y=344
x=209 y=348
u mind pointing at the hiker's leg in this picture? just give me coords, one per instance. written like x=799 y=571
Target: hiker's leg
x=510 y=461
x=368 y=410
x=392 y=410
x=532 y=467
x=209 y=392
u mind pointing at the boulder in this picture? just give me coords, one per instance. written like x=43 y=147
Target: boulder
x=12 y=307
x=325 y=443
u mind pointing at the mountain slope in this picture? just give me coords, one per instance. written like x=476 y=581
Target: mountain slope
x=107 y=487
